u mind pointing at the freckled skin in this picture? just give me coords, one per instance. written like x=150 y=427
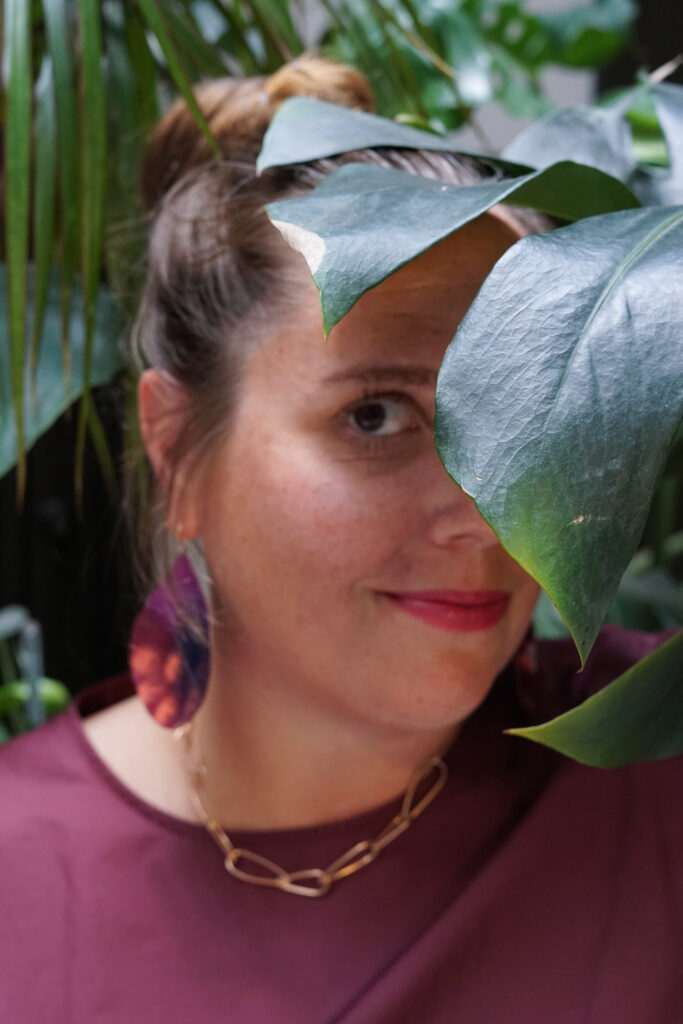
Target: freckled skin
x=305 y=527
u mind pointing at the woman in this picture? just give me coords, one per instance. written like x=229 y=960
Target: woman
x=368 y=643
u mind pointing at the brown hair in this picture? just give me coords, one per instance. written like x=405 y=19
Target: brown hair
x=218 y=272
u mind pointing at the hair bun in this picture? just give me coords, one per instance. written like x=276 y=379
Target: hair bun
x=238 y=112
x=324 y=80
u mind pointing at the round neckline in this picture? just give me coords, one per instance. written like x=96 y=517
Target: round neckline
x=371 y=820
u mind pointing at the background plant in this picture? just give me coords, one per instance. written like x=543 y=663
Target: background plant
x=83 y=83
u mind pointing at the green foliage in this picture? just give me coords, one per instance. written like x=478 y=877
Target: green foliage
x=47 y=395
x=560 y=398
x=441 y=61
x=590 y=379
x=638 y=717
x=331 y=227
x=86 y=80
x=27 y=698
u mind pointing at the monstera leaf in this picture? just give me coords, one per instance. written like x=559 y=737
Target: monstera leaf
x=561 y=393
x=305 y=129
x=601 y=137
x=596 y=136
x=559 y=398
x=364 y=222
x=638 y=717
x=557 y=404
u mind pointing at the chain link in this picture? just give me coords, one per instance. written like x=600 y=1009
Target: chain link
x=311 y=881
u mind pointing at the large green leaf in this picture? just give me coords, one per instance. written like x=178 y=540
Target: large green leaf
x=596 y=136
x=364 y=222
x=638 y=717
x=49 y=380
x=560 y=396
x=306 y=129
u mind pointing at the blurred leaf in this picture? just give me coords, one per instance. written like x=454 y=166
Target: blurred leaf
x=155 y=20
x=144 y=69
x=665 y=187
x=559 y=398
x=128 y=122
x=652 y=599
x=52 y=400
x=93 y=185
x=649 y=144
x=277 y=14
x=191 y=44
x=363 y=222
x=59 y=31
x=18 y=154
x=590 y=34
x=44 y=197
x=638 y=717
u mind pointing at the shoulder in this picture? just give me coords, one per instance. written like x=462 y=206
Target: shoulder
x=42 y=774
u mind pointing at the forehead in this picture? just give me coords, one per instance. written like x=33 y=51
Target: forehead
x=407 y=319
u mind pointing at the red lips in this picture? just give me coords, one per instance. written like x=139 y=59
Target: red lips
x=460 y=611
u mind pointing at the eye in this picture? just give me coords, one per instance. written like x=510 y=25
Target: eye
x=381 y=416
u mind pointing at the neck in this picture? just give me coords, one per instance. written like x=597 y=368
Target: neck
x=278 y=756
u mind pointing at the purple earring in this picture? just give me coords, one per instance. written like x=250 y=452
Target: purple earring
x=168 y=660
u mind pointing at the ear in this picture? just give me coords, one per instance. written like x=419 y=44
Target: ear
x=163 y=405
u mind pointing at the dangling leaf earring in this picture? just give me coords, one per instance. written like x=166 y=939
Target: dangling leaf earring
x=169 y=654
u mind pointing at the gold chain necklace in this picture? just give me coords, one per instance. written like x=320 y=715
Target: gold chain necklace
x=310 y=881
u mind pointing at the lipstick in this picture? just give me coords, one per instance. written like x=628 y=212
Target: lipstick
x=460 y=611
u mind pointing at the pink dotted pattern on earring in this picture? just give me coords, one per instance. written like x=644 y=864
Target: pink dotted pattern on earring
x=169 y=656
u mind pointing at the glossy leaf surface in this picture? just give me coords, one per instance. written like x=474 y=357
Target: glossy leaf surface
x=638 y=717
x=305 y=129
x=559 y=398
x=665 y=186
x=364 y=222
x=599 y=137
x=49 y=379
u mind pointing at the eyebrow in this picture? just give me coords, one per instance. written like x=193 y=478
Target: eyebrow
x=417 y=375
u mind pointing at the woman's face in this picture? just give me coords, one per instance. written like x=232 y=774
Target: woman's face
x=346 y=563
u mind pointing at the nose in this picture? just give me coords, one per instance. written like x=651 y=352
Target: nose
x=453 y=517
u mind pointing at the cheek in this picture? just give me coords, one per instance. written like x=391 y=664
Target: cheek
x=288 y=513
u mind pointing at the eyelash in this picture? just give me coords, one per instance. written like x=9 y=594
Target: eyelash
x=378 y=443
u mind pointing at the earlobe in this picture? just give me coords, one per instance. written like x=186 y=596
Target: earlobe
x=162 y=409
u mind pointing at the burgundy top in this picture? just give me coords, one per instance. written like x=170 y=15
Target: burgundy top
x=532 y=891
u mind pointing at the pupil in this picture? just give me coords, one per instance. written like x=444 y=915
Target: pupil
x=370 y=417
